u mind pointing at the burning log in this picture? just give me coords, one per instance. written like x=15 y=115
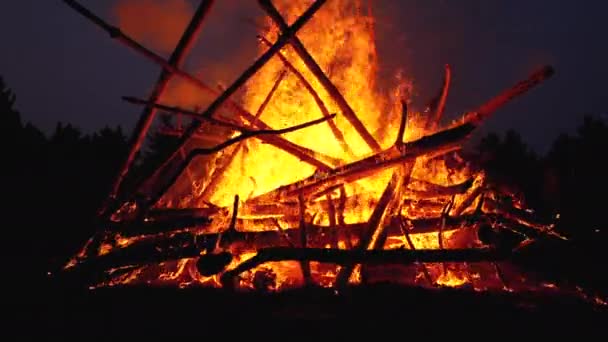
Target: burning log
x=316 y=70
x=351 y=257
x=434 y=190
x=332 y=125
x=436 y=144
x=187 y=244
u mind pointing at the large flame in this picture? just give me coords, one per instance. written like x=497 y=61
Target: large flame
x=341 y=39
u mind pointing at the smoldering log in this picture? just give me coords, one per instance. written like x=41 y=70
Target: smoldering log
x=436 y=144
x=368 y=257
x=184 y=244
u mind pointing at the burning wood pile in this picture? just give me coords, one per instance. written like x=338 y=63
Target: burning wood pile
x=353 y=188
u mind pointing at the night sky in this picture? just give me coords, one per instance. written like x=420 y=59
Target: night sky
x=64 y=68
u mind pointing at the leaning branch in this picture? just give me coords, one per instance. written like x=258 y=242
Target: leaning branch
x=332 y=125
x=316 y=70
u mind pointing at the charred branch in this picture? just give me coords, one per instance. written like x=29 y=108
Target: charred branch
x=437 y=105
x=485 y=110
x=436 y=144
x=353 y=257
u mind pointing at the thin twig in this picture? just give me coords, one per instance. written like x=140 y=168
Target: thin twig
x=246 y=134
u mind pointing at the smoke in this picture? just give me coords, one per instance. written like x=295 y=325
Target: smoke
x=158 y=24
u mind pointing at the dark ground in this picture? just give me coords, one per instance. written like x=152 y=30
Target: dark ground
x=379 y=310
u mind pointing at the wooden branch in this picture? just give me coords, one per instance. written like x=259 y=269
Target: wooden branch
x=402 y=124
x=147 y=117
x=306 y=155
x=485 y=110
x=194 y=153
x=316 y=70
x=176 y=245
x=434 y=190
x=352 y=257
x=437 y=105
x=332 y=125
x=436 y=144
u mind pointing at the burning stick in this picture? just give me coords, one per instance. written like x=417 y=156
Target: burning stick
x=245 y=135
x=402 y=124
x=316 y=70
x=332 y=125
x=306 y=155
x=376 y=226
x=175 y=60
x=437 y=105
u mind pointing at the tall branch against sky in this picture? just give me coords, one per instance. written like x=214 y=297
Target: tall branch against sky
x=485 y=42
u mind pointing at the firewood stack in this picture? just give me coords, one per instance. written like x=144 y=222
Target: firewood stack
x=151 y=233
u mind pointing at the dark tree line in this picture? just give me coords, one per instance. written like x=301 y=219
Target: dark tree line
x=57 y=181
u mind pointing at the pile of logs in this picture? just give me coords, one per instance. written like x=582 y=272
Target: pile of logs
x=305 y=220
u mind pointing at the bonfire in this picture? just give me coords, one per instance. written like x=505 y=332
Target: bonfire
x=313 y=177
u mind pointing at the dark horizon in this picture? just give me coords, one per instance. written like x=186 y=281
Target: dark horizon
x=63 y=68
